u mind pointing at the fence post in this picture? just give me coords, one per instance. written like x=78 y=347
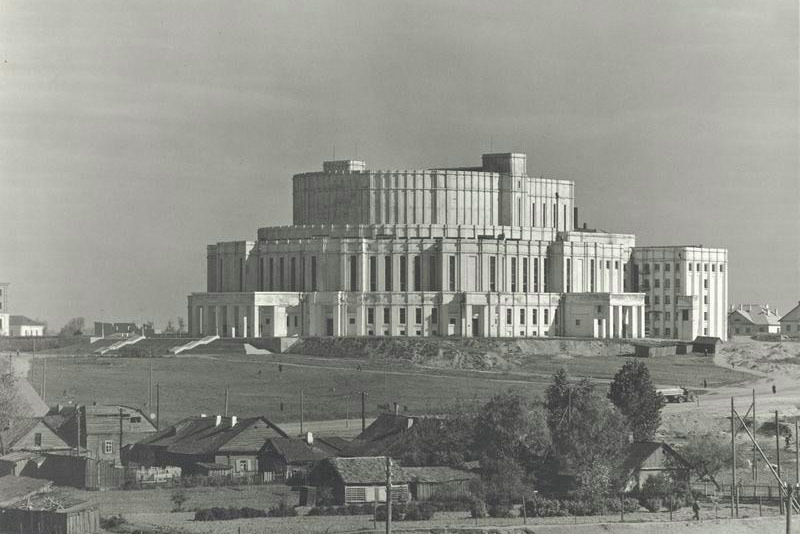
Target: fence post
x=524 y=512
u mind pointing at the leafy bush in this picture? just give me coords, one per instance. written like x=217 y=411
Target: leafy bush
x=112 y=522
x=281 y=510
x=477 y=508
x=652 y=504
x=223 y=514
x=419 y=512
x=500 y=510
x=397 y=513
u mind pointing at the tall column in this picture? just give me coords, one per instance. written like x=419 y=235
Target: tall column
x=619 y=320
x=641 y=321
x=256 y=322
x=610 y=325
x=200 y=321
x=218 y=310
x=466 y=322
x=635 y=322
x=279 y=321
x=244 y=314
x=232 y=330
x=190 y=311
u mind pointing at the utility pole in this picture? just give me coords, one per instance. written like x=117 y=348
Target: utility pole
x=302 y=409
x=789 y=489
x=363 y=410
x=778 y=453
x=78 y=418
x=226 y=401
x=388 y=495
x=755 y=456
x=44 y=378
x=733 y=460
x=150 y=385
x=347 y=411
x=119 y=449
x=796 y=454
x=158 y=406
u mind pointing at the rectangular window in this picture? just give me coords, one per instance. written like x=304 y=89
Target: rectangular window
x=667 y=267
x=402 y=316
x=452 y=273
x=666 y=299
x=313 y=273
x=657 y=267
x=555 y=215
x=667 y=316
x=509 y=316
x=685 y=315
x=492 y=273
x=667 y=283
x=524 y=275
x=261 y=274
x=373 y=273
x=433 y=275
x=545 y=271
x=403 y=273
x=418 y=316
x=591 y=276
x=387 y=273
x=677 y=283
x=705 y=283
x=546 y=316
x=657 y=282
x=353 y=273
x=534 y=316
x=690 y=266
x=569 y=275
x=705 y=267
x=544 y=214
x=533 y=214
x=522 y=316
x=713 y=267
x=535 y=275
x=667 y=332
x=417 y=273
x=705 y=299
x=219 y=286
x=434 y=315
x=705 y=316
x=647 y=300
x=281 y=264
x=37 y=439
x=293 y=274
x=657 y=300
x=271 y=274
x=513 y=275
x=370 y=315
x=721 y=268
x=387 y=315
x=108 y=447
x=616 y=264
x=697 y=267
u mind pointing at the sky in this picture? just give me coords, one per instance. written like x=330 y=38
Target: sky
x=133 y=134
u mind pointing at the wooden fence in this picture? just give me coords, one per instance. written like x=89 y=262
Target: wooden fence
x=746 y=491
x=50 y=522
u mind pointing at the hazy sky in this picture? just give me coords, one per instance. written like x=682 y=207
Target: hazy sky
x=132 y=134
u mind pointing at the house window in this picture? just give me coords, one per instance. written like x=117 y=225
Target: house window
x=657 y=282
x=705 y=299
x=721 y=268
x=434 y=315
x=402 y=316
x=690 y=266
x=370 y=315
x=705 y=316
x=713 y=267
x=37 y=439
x=705 y=267
x=433 y=275
x=524 y=275
x=535 y=275
x=522 y=316
x=657 y=267
x=108 y=447
x=577 y=322
x=657 y=300
x=353 y=273
x=667 y=316
x=685 y=315
x=667 y=332
x=352 y=320
x=534 y=316
x=313 y=273
x=546 y=316
x=417 y=273
x=667 y=283
x=136 y=419
x=292 y=275
x=418 y=316
x=667 y=267
x=667 y=299
x=243 y=465
x=386 y=315
x=509 y=318
x=705 y=283
x=281 y=264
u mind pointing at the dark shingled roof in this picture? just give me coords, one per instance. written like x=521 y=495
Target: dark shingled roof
x=366 y=470
x=201 y=436
x=297 y=450
x=438 y=474
x=18 y=428
x=332 y=445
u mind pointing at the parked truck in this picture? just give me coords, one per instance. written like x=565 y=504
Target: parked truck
x=674 y=394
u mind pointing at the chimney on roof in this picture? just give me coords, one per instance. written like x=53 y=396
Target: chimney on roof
x=218 y=421
x=309 y=438
x=234 y=420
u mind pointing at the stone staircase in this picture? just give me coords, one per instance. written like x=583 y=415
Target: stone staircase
x=119 y=344
x=193 y=344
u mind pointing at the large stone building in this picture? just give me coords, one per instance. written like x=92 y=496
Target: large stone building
x=473 y=251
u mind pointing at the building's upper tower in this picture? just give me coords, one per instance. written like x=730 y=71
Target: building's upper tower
x=498 y=193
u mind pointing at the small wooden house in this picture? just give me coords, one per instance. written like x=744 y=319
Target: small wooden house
x=705 y=344
x=643 y=459
x=32 y=434
x=360 y=480
x=291 y=459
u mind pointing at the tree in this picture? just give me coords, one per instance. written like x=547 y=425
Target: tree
x=508 y=427
x=708 y=454
x=12 y=408
x=181 y=326
x=170 y=328
x=74 y=327
x=632 y=391
x=178 y=499
x=436 y=442
x=585 y=427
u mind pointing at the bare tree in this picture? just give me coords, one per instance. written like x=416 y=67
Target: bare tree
x=181 y=326
x=74 y=327
x=10 y=406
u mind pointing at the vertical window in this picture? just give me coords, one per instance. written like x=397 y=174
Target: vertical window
x=434 y=315
x=452 y=273
x=535 y=275
x=37 y=439
x=509 y=316
x=403 y=273
x=545 y=270
x=705 y=283
x=387 y=272
x=417 y=273
x=353 y=273
x=591 y=276
x=271 y=274
x=370 y=315
x=108 y=446
x=533 y=214
x=513 y=275
x=293 y=274
x=492 y=273
x=387 y=315
x=373 y=273
x=281 y=287
x=402 y=316
x=534 y=316
x=565 y=218
x=219 y=286
x=313 y=273
x=555 y=215
x=418 y=316
x=522 y=316
x=544 y=215
x=569 y=275
x=546 y=316
x=261 y=274
x=524 y=275
x=433 y=275
x=241 y=274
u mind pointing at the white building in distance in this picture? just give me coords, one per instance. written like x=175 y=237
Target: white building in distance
x=474 y=251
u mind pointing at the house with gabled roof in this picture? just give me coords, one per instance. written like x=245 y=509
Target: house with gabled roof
x=360 y=479
x=214 y=441
x=643 y=459
x=31 y=434
x=790 y=323
x=291 y=459
x=753 y=319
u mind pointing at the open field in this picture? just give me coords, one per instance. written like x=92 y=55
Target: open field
x=272 y=384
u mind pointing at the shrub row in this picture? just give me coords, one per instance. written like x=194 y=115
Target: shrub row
x=223 y=514
x=412 y=511
x=541 y=507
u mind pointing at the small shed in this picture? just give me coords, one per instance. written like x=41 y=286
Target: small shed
x=705 y=344
x=361 y=479
x=292 y=459
x=50 y=513
x=643 y=459
x=211 y=469
x=438 y=481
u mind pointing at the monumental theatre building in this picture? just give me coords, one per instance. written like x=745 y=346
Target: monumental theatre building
x=474 y=251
